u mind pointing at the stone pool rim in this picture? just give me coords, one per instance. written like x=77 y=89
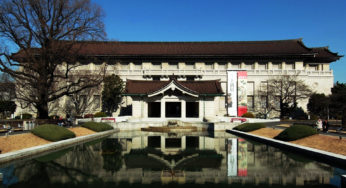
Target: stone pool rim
x=28 y=153
x=334 y=159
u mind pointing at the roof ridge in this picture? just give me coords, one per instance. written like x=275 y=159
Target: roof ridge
x=240 y=41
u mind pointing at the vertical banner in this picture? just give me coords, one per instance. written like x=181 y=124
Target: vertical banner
x=232 y=162
x=242 y=157
x=232 y=93
x=242 y=97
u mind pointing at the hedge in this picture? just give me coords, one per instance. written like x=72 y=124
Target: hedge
x=97 y=127
x=248 y=115
x=100 y=114
x=247 y=127
x=296 y=132
x=52 y=132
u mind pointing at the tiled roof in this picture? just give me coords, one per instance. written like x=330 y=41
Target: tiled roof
x=199 y=87
x=293 y=47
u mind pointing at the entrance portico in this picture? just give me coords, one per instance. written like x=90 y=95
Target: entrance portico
x=173 y=99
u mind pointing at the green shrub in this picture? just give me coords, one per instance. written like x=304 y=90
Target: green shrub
x=100 y=114
x=247 y=127
x=97 y=127
x=52 y=132
x=248 y=115
x=296 y=132
x=26 y=116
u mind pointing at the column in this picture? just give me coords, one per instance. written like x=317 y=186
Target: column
x=163 y=143
x=270 y=65
x=183 y=142
x=183 y=109
x=163 y=108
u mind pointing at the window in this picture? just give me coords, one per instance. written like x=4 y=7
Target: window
x=156 y=78
x=190 y=78
x=97 y=101
x=83 y=99
x=250 y=102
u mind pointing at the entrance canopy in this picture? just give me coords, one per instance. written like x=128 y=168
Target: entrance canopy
x=192 y=88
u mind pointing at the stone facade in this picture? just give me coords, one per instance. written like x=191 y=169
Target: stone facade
x=199 y=61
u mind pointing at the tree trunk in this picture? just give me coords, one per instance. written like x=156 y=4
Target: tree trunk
x=42 y=111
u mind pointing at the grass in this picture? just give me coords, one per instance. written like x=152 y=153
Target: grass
x=97 y=127
x=52 y=132
x=296 y=132
x=248 y=127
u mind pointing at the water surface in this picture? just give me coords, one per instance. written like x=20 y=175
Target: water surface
x=144 y=159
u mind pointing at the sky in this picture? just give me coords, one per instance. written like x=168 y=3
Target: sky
x=318 y=22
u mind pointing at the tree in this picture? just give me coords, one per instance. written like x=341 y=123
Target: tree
x=113 y=87
x=318 y=105
x=46 y=33
x=7 y=108
x=338 y=102
x=80 y=103
x=281 y=94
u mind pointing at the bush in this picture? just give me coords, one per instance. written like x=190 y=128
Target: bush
x=247 y=127
x=88 y=115
x=97 y=127
x=248 y=115
x=296 y=132
x=54 y=117
x=100 y=114
x=26 y=116
x=52 y=132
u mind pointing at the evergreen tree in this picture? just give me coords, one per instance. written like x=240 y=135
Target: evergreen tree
x=113 y=87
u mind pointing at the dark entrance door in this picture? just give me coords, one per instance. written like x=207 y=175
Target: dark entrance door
x=173 y=109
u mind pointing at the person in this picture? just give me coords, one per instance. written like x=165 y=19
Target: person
x=325 y=126
x=319 y=124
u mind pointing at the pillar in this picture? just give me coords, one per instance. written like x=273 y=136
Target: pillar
x=163 y=143
x=163 y=108
x=183 y=142
x=183 y=109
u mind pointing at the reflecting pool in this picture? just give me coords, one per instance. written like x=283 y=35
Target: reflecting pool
x=146 y=159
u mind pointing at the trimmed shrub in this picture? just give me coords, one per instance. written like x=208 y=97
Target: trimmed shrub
x=52 y=132
x=247 y=127
x=97 y=127
x=88 y=115
x=54 y=117
x=100 y=114
x=296 y=132
x=26 y=116
x=248 y=115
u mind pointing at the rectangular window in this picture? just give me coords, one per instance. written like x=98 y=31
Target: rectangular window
x=192 y=109
x=83 y=99
x=97 y=101
x=154 y=109
x=250 y=102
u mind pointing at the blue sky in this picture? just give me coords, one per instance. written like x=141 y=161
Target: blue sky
x=318 y=22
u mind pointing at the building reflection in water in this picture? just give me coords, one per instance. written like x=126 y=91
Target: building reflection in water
x=145 y=157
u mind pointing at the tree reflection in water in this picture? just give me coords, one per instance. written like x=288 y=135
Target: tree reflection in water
x=111 y=153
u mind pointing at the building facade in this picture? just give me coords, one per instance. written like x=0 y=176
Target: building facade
x=183 y=80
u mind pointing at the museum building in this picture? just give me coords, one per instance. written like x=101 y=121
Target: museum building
x=190 y=80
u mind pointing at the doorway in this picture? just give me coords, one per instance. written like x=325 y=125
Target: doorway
x=173 y=109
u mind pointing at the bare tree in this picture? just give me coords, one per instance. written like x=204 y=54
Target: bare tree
x=281 y=94
x=87 y=101
x=46 y=33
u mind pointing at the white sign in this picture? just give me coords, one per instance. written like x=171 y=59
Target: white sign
x=232 y=161
x=232 y=93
